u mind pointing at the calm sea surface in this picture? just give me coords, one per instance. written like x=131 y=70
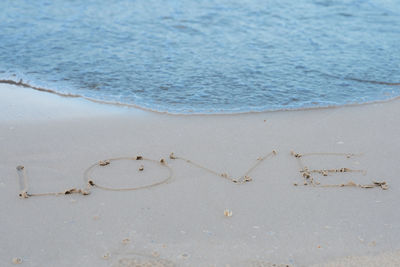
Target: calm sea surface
x=206 y=56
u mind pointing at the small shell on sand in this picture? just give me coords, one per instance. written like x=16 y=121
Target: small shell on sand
x=383 y=185
x=104 y=162
x=248 y=179
x=16 y=260
x=23 y=194
x=20 y=168
x=126 y=241
x=227 y=213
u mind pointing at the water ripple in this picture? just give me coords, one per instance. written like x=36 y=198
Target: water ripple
x=205 y=56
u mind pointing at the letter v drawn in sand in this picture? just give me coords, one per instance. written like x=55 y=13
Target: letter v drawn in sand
x=241 y=179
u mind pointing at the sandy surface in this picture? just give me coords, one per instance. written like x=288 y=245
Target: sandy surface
x=182 y=222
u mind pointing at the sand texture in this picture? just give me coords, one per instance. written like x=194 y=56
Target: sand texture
x=199 y=216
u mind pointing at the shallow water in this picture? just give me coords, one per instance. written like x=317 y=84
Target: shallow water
x=206 y=56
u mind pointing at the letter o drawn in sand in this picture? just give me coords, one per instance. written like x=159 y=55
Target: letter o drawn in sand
x=91 y=181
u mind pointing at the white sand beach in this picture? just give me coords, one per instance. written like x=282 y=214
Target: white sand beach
x=182 y=222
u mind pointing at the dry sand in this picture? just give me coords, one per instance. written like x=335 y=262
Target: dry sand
x=182 y=222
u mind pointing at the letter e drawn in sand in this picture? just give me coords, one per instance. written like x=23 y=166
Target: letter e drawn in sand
x=308 y=174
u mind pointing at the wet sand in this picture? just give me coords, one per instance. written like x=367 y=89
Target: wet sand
x=182 y=222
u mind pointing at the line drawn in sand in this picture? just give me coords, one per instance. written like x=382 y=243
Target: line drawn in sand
x=307 y=174
x=90 y=181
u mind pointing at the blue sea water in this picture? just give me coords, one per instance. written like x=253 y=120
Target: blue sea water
x=206 y=56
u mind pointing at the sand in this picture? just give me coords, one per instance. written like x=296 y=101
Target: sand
x=182 y=222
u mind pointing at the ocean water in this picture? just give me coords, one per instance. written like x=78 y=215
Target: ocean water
x=206 y=56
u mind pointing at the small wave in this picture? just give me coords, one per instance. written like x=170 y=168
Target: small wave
x=355 y=79
x=41 y=89
x=371 y=81
x=317 y=106
x=27 y=85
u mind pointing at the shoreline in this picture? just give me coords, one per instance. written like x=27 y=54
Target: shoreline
x=21 y=84
x=272 y=222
